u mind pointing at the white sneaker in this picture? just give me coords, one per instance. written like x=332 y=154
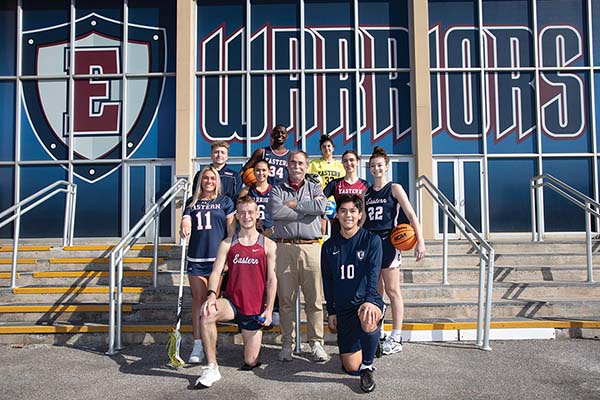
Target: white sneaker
x=318 y=352
x=275 y=319
x=209 y=376
x=391 y=346
x=285 y=354
x=197 y=353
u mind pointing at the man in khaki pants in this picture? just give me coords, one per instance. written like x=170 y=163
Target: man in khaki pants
x=296 y=208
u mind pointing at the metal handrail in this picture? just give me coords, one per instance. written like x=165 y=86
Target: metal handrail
x=15 y=212
x=586 y=203
x=117 y=255
x=486 y=255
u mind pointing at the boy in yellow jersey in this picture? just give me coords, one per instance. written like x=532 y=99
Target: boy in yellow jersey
x=328 y=169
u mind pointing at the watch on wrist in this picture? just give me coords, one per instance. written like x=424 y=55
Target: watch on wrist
x=209 y=292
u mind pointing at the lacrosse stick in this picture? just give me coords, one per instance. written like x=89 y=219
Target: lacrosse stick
x=174 y=344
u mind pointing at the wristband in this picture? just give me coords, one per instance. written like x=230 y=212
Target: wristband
x=209 y=292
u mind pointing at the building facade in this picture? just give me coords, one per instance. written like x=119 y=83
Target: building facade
x=120 y=97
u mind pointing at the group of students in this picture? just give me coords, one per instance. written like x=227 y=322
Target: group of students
x=358 y=261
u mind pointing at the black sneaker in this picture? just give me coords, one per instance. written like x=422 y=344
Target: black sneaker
x=248 y=367
x=367 y=384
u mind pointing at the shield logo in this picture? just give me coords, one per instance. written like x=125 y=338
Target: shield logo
x=100 y=123
x=360 y=255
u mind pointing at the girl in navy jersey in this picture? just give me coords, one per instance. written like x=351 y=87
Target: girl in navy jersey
x=260 y=192
x=383 y=201
x=207 y=220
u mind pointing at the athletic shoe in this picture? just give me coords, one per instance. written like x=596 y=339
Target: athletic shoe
x=248 y=367
x=391 y=346
x=285 y=354
x=367 y=384
x=318 y=352
x=197 y=354
x=209 y=376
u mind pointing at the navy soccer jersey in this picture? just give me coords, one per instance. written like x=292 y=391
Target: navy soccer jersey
x=209 y=227
x=262 y=201
x=350 y=269
x=278 y=164
x=231 y=182
x=381 y=208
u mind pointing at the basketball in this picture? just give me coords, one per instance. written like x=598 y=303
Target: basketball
x=403 y=237
x=248 y=177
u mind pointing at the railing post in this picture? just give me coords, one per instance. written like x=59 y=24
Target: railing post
x=488 y=305
x=480 y=297
x=120 y=300
x=155 y=255
x=15 y=253
x=298 y=330
x=73 y=209
x=445 y=248
x=588 y=241
x=539 y=212
x=111 y=306
x=533 y=208
x=67 y=215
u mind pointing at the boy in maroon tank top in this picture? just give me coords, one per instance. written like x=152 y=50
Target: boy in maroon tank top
x=251 y=260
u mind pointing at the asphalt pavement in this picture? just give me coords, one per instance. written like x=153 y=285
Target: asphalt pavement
x=526 y=369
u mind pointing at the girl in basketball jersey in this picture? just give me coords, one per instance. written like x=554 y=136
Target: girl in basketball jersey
x=260 y=192
x=383 y=201
x=349 y=184
x=326 y=167
x=207 y=220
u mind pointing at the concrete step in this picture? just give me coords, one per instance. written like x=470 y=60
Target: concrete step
x=92 y=250
x=525 y=273
x=65 y=294
x=501 y=290
x=513 y=246
x=141 y=275
x=88 y=263
x=504 y=308
x=502 y=260
x=141 y=278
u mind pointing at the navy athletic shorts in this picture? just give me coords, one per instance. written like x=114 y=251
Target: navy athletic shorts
x=245 y=322
x=349 y=330
x=392 y=258
x=199 y=269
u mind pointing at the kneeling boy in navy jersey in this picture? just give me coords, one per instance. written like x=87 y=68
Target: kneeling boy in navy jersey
x=251 y=260
x=350 y=264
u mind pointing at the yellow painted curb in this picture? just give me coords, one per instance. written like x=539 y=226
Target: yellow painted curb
x=32 y=329
x=87 y=274
x=67 y=290
x=7 y=261
x=87 y=247
x=9 y=249
x=7 y=275
x=61 y=308
x=104 y=260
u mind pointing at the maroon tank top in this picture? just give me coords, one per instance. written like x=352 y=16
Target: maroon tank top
x=247 y=276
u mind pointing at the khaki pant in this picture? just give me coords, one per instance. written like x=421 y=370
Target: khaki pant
x=300 y=264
